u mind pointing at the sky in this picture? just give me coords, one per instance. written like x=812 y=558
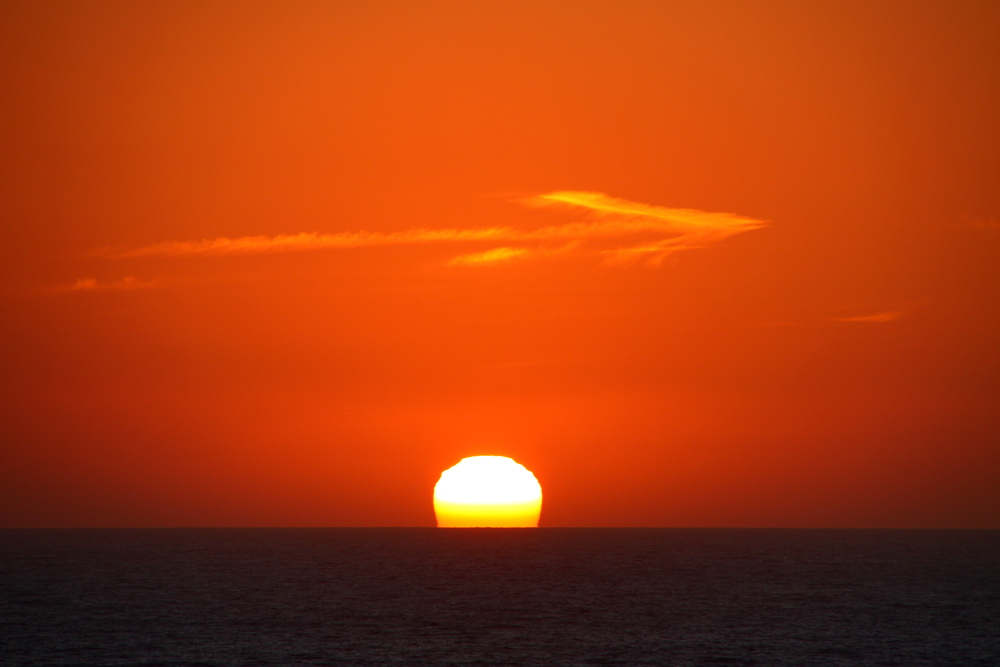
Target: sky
x=728 y=264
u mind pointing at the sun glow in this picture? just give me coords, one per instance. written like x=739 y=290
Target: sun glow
x=487 y=492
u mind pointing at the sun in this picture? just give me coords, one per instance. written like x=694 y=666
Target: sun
x=487 y=492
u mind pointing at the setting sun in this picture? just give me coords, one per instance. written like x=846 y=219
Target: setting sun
x=487 y=492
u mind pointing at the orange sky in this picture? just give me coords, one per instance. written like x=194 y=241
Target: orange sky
x=692 y=263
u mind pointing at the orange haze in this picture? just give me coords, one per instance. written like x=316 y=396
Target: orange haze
x=693 y=263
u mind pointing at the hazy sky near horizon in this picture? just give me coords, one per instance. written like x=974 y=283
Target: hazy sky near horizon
x=691 y=263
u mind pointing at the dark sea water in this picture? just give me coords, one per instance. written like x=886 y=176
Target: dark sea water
x=499 y=597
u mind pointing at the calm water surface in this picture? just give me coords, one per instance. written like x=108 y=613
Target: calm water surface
x=499 y=597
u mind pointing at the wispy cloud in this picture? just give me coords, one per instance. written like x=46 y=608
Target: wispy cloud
x=884 y=316
x=776 y=325
x=990 y=226
x=668 y=229
x=94 y=285
x=494 y=256
x=621 y=230
x=508 y=254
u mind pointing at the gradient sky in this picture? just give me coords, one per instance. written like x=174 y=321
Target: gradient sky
x=692 y=263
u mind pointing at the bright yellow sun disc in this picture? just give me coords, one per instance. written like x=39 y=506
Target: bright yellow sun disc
x=487 y=492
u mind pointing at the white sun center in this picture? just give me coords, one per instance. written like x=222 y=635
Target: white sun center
x=487 y=491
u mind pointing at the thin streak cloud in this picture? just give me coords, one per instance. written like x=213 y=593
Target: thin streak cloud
x=94 y=285
x=621 y=230
x=884 y=316
x=990 y=226
x=309 y=241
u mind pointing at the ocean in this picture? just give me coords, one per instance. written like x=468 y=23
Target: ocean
x=546 y=597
